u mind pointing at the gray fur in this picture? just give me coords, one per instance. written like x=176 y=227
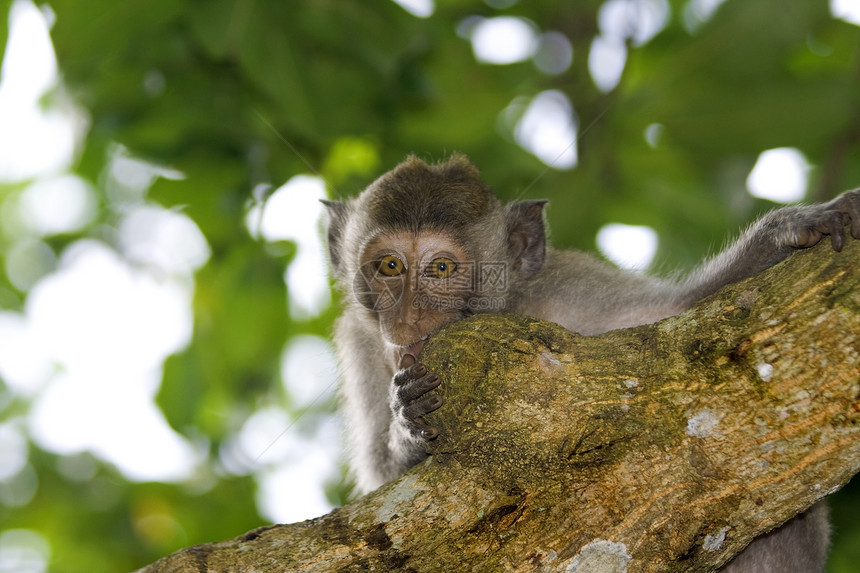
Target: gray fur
x=385 y=430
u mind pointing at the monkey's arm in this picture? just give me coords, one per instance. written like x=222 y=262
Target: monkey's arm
x=773 y=238
x=380 y=406
x=589 y=296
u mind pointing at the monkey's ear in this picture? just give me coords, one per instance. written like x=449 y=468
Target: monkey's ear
x=526 y=236
x=337 y=216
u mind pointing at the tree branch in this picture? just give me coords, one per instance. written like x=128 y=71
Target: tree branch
x=664 y=447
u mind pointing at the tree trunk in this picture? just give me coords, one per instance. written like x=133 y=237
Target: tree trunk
x=663 y=447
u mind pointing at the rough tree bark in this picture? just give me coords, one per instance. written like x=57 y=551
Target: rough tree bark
x=666 y=447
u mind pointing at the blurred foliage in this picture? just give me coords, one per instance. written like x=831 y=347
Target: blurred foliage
x=237 y=93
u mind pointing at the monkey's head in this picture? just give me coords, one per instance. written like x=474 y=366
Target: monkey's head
x=425 y=245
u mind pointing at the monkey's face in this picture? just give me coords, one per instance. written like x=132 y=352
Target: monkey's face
x=414 y=283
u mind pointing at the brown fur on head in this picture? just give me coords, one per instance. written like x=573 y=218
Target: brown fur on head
x=417 y=196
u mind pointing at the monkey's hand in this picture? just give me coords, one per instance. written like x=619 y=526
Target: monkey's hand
x=408 y=399
x=814 y=221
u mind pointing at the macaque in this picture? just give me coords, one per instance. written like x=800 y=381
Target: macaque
x=404 y=253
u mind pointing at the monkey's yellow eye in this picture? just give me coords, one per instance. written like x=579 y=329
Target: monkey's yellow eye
x=390 y=266
x=443 y=267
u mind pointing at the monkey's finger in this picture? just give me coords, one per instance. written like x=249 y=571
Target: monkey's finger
x=806 y=237
x=834 y=224
x=855 y=225
x=417 y=388
x=406 y=361
x=837 y=240
x=849 y=205
x=851 y=201
x=419 y=426
x=422 y=407
x=407 y=375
